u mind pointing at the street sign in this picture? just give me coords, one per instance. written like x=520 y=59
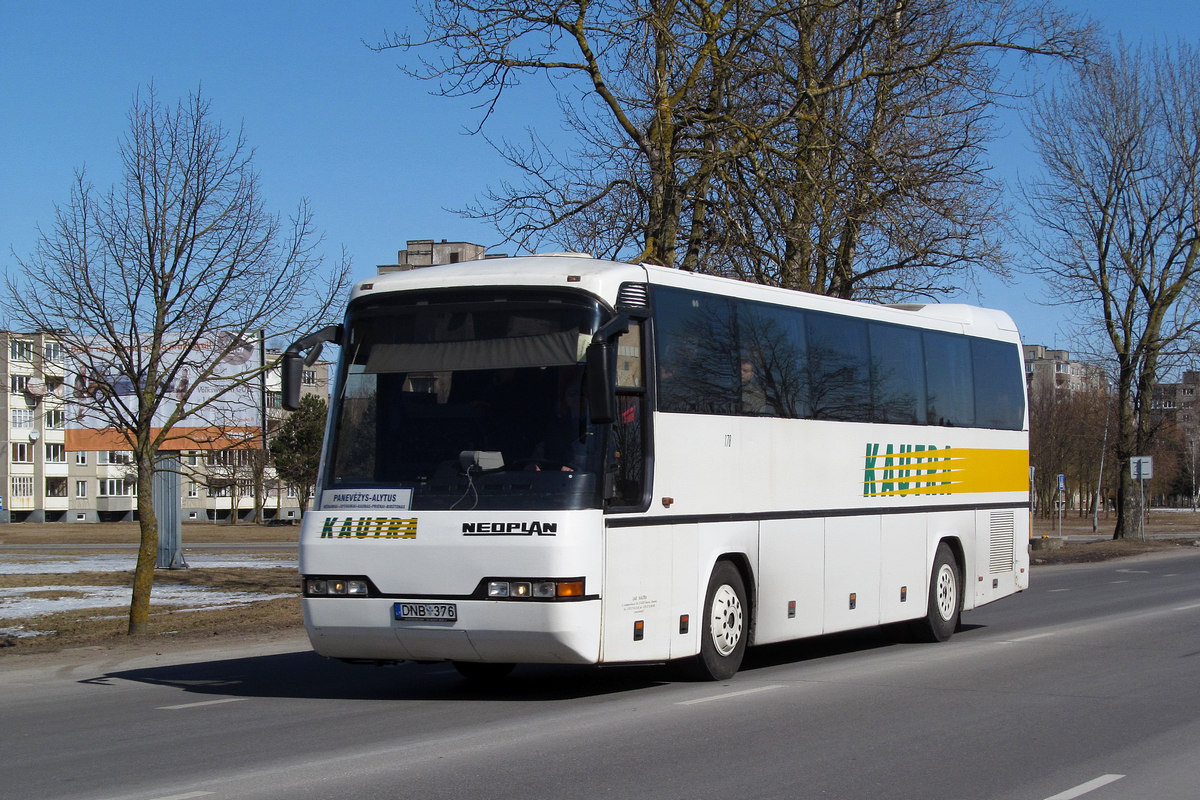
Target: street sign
x=1141 y=468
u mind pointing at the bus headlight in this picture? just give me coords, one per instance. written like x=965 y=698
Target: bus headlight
x=517 y=589
x=337 y=587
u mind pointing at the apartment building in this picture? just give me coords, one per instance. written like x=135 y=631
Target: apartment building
x=427 y=252
x=53 y=470
x=35 y=469
x=1053 y=370
x=1176 y=402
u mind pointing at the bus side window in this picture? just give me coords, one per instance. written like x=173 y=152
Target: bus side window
x=698 y=353
x=628 y=450
x=948 y=373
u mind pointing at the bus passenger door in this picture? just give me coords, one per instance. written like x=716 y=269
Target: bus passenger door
x=636 y=606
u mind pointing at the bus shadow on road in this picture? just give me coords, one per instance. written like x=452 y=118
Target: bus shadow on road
x=309 y=676
x=801 y=651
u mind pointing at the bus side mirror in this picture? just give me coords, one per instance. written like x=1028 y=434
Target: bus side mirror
x=601 y=391
x=291 y=364
x=289 y=378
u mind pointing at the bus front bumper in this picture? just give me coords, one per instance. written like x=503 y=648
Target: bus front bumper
x=494 y=631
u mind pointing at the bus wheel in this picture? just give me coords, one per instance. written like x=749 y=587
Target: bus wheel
x=945 y=599
x=483 y=671
x=725 y=626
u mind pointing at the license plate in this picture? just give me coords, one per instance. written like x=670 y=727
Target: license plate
x=444 y=612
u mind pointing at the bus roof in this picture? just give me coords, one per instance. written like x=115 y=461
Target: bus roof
x=604 y=278
x=568 y=270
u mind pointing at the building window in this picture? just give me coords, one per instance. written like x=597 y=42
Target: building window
x=21 y=350
x=56 y=487
x=309 y=377
x=114 y=457
x=18 y=383
x=56 y=352
x=21 y=417
x=56 y=418
x=81 y=458
x=56 y=454
x=274 y=399
x=118 y=487
x=193 y=489
x=81 y=490
x=22 y=486
x=189 y=458
x=22 y=453
x=291 y=492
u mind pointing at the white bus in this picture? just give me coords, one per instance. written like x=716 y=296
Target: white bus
x=557 y=459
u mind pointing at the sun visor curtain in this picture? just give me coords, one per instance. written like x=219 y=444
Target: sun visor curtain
x=546 y=350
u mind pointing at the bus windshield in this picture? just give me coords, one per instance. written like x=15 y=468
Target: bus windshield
x=468 y=404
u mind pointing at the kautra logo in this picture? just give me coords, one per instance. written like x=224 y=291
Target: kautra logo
x=368 y=528
x=906 y=469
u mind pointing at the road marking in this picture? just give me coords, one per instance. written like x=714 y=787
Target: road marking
x=1033 y=636
x=202 y=703
x=1187 y=608
x=1084 y=788
x=1054 y=591
x=187 y=796
x=729 y=695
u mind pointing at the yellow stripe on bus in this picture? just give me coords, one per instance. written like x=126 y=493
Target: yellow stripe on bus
x=948 y=470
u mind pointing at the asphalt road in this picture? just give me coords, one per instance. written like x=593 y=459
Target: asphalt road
x=1087 y=685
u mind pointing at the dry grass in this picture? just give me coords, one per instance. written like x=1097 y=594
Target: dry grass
x=1158 y=524
x=106 y=627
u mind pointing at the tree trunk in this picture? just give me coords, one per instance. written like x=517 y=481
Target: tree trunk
x=143 y=573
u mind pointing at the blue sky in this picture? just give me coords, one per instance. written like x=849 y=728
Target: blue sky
x=377 y=157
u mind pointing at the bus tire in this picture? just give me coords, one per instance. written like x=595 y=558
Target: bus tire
x=945 y=598
x=725 y=626
x=483 y=671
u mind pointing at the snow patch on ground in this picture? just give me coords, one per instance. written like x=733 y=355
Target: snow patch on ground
x=36 y=601
x=26 y=602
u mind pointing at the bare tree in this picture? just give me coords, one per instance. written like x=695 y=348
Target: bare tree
x=1067 y=437
x=831 y=146
x=1116 y=215
x=162 y=286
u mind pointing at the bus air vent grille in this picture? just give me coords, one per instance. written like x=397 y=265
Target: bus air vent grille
x=633 y=295
x=1001 y=559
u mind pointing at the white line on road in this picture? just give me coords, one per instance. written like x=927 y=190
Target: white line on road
x=729 y=695
x=1187 y=608
x=1084 y=788
x=187 y=796
x=202 y=703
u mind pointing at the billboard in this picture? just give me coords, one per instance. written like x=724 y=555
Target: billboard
x=212 y=388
